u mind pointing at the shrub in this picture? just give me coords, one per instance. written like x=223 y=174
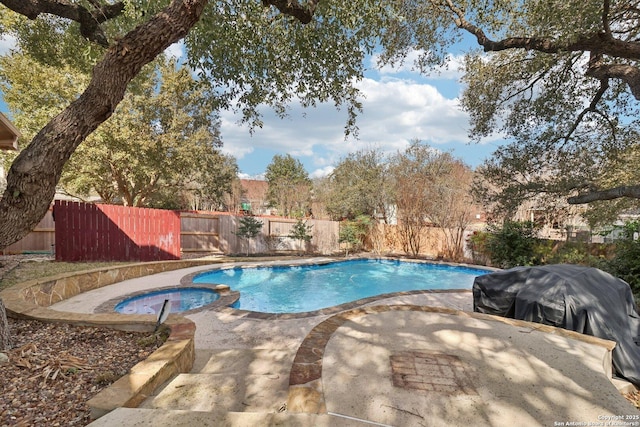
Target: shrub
x=625 y=263
x=353 y=232
x=477 y=243
x=512 y=244
x=571 y=253
x=248 y=229
x=301 y=232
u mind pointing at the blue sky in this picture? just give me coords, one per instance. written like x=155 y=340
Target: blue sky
x=399 y=105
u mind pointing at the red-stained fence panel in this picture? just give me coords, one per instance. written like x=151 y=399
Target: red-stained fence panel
x=94 y=232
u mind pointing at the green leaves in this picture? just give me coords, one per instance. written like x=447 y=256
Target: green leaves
x=251 y=55
x=289 y=185
x=512 y=244
x=158 y=148
x=249 y=227
x=301 y=231
x=358 y=185
x=353 y=232
x=547 y=86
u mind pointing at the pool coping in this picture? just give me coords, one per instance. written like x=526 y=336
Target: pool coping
x=31 y=300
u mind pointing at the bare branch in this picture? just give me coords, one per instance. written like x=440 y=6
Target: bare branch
x=89 y=20
x=627 y=73
x=598 y=44
x=605 y=17
x=604 y=85
x=302 y=13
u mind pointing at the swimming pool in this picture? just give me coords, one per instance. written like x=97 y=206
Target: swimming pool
x=298 y=289
x=182 y=299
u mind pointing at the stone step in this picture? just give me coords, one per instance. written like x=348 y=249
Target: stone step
x=228 y=392
x=239 y=380
x=177 y=418
x=243 y=361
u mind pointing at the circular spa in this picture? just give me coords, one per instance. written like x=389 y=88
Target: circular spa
x=180 y=299
x=305 y=288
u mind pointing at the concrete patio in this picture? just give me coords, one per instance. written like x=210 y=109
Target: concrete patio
x=421 y=359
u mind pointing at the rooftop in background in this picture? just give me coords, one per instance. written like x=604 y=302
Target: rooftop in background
x=8 y=134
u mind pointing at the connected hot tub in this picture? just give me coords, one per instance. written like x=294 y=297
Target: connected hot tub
x=180 y=299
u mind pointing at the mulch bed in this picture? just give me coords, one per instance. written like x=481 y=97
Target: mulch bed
x=54 y=369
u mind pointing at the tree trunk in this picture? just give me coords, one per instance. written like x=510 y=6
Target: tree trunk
x=5 y=338
x=33 y=176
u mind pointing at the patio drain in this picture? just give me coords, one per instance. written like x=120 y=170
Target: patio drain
x=430 y=372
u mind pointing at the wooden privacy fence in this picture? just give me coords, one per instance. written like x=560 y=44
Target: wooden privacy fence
x=84 y=232
x=215 y=232
x=41 y=239
x=199 y=232
x=95 y=232
x=387 y=239
x=204 y=232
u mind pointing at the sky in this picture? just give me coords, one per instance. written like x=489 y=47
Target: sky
x=399 y=105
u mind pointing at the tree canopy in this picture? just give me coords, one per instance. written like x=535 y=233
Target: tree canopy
x=158 y=149
x=289 y=185
x=558 y=77
x=431 y=188
x=358 y=185
x=560 y=80
x=249 y=53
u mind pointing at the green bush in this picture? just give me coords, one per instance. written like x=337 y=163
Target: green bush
x=570 y=253
x=477 y=243
x=353 y=232
x=248 y=229
x=515 y=244
x=512 y=244
x=301 y=232
x=625 y=263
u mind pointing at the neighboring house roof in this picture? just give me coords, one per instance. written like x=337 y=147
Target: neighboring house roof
x=8 y=134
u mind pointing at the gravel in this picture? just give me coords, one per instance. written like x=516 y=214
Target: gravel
x=54 y=369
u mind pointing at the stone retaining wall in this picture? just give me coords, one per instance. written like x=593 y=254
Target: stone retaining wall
x=30 y=300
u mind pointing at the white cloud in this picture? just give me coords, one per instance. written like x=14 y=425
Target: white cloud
x=259 y=177
x=395 y=112
x=451 y=70
x=403 y=110
x=176 y=50
x=7 y=43
x=322 y=172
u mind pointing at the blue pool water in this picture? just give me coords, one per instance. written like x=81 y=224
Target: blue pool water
x=312 y=287
x=182 y=299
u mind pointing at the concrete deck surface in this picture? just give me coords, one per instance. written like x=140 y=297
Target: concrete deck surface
x=406 y=368
x=395 y=368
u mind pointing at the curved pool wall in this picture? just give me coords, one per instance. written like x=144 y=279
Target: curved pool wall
x=179 y=300
x=290 y=294
x=224 y=298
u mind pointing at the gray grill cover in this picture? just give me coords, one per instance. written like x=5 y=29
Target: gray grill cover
x=581 y=299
